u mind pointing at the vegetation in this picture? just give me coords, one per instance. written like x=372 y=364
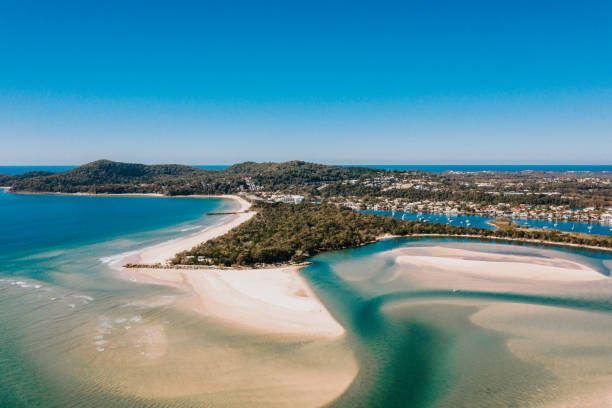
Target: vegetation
x=281 y=233
x=105 y=176
x=503 y=223
x=577 y=190
x=8 y=179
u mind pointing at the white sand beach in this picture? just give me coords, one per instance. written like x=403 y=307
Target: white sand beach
x=163 y=253
x=495 y=266
x=272 y=300
x=266 y=339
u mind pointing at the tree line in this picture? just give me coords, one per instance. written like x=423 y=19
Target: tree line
x=282 y=233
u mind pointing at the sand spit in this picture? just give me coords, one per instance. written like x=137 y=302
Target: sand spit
x=495 y=266
x=275 y=300
x=265 y=340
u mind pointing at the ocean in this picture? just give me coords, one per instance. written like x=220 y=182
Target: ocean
x=440 y=168
x=433 y=168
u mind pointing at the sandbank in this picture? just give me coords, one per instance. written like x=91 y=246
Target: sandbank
x=494 y=265
x=273 y=300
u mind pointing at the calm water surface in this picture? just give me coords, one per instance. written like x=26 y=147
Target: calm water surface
x=422 y=341
x=475 y=221
x=71 y=334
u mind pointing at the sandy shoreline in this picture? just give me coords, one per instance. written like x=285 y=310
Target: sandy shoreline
x=166 y=251
x=273 y=300
x=494 y=266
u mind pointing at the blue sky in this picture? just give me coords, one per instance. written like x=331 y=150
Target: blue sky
x=338 y=82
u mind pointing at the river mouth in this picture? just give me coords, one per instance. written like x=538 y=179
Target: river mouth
x=429 y=337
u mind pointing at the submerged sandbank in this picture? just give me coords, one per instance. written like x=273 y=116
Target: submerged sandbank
x=566 y=343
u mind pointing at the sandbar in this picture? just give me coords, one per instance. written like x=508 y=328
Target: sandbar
x=495 y=265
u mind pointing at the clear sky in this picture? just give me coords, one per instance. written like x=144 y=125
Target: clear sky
x=199 y=82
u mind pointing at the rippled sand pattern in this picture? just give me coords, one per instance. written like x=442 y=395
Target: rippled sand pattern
x=146 y=352
x=444 y=323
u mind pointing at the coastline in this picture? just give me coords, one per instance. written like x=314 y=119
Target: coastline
x=268 y=300
x=162 y=253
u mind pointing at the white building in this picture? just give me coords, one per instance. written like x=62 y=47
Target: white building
x=294 y=199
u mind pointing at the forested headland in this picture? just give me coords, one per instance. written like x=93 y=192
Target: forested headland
x=282 y=233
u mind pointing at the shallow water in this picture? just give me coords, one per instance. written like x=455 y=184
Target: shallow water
x=422 y=342
x=71 y=334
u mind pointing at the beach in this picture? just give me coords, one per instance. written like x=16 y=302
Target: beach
x=494 y=266
x=275 y=303
x=273 y=300
x=161 y=254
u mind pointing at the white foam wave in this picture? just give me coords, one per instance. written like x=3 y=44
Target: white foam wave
x=191 y=228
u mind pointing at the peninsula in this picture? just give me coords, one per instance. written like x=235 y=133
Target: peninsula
x=303 y=208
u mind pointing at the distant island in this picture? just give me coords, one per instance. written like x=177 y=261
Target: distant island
x=306 y=208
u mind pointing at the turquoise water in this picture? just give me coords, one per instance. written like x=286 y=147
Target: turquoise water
x=54 y=283
x=418 y=344
x=476 y=221
x=71 y=333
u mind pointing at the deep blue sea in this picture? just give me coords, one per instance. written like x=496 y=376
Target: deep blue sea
x=433 y=168
x=440 y=168
x=59 y=169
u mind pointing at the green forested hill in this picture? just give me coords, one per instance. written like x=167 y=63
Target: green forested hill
x=8 y=179
x=576 y=190
x=105 y=176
